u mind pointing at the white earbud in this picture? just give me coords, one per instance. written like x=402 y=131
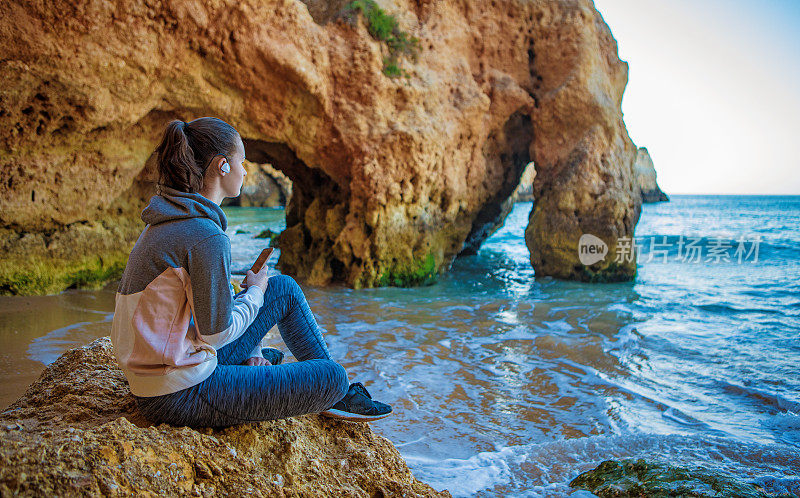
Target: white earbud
x=226 y=167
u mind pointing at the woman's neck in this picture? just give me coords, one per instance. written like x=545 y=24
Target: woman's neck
x=213 y=193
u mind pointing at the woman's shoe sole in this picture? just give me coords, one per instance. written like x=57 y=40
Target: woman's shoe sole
x=353 y=417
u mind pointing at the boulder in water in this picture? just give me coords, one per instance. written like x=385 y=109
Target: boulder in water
x=636 y=478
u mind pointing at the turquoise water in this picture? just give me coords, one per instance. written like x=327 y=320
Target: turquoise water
x=504 y=384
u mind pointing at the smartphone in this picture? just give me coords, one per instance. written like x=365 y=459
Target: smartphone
x=262 y=259
x=257 y=266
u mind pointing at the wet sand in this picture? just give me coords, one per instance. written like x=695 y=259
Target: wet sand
x=35 y=330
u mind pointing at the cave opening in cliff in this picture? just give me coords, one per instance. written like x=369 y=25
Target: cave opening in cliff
x=314 y=197
x=507 y=151
x=263 y=186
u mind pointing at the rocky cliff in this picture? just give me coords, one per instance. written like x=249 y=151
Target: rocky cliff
x=404 y=127
x=524 y=191
x=76 y=431
x=263 y=186
x=646 y=177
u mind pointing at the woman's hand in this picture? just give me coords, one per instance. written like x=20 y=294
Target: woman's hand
x=256 y=362
x=259 y=279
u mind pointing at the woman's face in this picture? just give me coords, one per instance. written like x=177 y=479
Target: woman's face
x=232 y=182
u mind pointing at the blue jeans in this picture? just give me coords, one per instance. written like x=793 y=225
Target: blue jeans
x=235 y=393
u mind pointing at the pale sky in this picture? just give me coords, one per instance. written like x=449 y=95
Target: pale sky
x=713 y=91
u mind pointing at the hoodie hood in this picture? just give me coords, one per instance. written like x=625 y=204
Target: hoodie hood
x=176 y=205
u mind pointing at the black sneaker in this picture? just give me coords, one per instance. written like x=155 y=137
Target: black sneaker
x=272 y=355
x=358 y=406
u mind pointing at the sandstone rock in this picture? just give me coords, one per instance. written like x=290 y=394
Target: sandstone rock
x=264 y=186
x=646 y=177
x=583 y=154
x=76 y=431
x=498 y=212
x=524 y=191
x=48 y=262
x=635 y=478
x=392 y=177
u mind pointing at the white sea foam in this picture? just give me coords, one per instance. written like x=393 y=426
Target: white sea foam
x=545 y=469
x=465 y=477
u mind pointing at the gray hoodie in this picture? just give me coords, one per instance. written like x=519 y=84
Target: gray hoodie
x=175 y=305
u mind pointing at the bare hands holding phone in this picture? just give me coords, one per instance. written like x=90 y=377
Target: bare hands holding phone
x=260 y=279
x=257 y=275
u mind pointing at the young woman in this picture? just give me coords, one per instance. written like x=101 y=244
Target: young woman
x=189 y=348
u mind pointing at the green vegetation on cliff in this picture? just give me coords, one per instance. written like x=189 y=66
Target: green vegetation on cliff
x=604 y=273
x=50 y=276
x=83 y=255
x=383 y=27
x=416 y=273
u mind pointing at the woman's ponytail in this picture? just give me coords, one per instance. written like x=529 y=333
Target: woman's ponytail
x=187 y=149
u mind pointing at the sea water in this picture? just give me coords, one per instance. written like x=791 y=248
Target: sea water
x=505 y=384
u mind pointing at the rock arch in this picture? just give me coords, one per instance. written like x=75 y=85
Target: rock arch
x=393 y=177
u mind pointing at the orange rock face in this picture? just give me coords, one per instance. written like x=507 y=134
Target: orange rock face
x=263 y=186
x=392 y=177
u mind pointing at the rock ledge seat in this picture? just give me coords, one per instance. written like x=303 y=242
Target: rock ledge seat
x=76 y=431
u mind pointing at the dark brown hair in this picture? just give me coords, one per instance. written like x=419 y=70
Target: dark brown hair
x=187 y=149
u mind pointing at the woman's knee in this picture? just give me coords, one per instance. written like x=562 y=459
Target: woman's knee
x=344 y=382
x=284 y=284
x=338 y=383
